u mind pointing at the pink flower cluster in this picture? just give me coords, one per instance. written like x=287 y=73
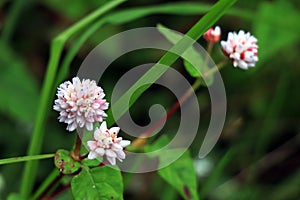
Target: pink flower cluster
x=240 y=47
x=80 y=103
x=106 y=143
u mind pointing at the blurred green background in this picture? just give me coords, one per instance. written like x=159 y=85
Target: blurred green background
x=262 y=126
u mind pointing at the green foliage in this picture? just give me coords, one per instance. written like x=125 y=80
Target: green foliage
x=182 y=176
x=274 y=30
x=190 y=54
x=14 y=196
x=158 y=144
x=65 y=163
x=92 y=163
x=98 y=183
x=216 y=174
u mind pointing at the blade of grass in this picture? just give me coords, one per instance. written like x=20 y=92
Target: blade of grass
x=216 y=12
x=52 y=176
x=24 y=158
x=216 y=173
x=45 y=100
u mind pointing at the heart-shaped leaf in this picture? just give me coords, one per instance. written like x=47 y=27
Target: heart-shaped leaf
x=98 y=183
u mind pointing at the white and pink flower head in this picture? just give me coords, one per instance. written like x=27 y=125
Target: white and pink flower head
x=80 y=104
x=106 y=143
x=241 y=48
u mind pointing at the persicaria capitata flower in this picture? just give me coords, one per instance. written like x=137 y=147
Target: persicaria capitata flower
x=80 y=104
x=241 y=48
x=107 y=143
x=213 y=35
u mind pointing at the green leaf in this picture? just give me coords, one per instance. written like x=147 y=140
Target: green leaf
x=99 y=183
x=92 y=163
x=190 y=54
x=64 y=162
x=182 y=176
x=275 y=32
x=158 y=144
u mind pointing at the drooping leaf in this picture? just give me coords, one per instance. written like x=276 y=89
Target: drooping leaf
x=182 y=176
x=189 y=54
x=98 y=183
x=158 y=144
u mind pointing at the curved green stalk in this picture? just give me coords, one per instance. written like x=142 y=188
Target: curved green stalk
x=45 y=102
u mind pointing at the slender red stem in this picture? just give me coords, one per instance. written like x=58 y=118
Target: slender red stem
x=139 y=141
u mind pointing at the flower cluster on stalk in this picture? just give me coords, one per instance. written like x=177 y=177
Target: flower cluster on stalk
x=106 y=142
x=81 y=104
x=241 y=48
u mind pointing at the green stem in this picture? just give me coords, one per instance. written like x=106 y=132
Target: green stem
x=46 y=100
x=45 y=185
x=25 y=158
x=38 y=131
